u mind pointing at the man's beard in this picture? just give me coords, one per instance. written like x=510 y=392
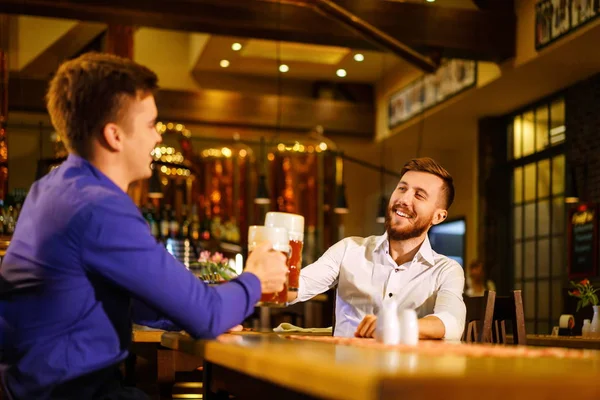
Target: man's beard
x=410 y=232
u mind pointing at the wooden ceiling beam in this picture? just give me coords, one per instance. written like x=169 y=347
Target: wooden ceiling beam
x=68 y=45
x=476 y=34
x=226 y=108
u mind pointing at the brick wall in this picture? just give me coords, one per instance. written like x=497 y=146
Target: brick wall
x=582 y=106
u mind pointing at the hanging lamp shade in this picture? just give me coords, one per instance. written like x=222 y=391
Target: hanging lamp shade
x=571 y=192
x=383 y=203
x=262 y=193
x=341 y=202
x=154 y=185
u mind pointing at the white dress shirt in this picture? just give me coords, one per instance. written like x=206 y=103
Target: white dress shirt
x=431 y=283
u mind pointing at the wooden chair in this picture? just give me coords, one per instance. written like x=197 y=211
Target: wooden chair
x=509 y=308
x=478 y=323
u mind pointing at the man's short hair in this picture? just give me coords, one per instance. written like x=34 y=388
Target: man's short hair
x=429 y=165
x=91 y=91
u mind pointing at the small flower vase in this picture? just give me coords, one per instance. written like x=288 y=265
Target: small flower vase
x=595 y=325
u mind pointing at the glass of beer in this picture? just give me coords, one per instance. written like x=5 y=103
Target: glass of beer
x=280 y=240
x=294 y=224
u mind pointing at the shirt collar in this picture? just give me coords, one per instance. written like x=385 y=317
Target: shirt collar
x=73 y=160
x=425 y=251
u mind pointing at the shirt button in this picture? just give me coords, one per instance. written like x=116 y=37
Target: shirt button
x=390 y=294
x=397 y=270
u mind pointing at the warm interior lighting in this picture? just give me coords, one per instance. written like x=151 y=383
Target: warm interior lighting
x=283 y=68
x=359 y=57
x=341 y=73
x=224 y=63
x=236 y=46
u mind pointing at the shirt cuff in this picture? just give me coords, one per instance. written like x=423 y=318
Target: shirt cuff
x=453 y=330
x=252 y=283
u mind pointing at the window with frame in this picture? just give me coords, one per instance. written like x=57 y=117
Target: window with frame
x=536 y=153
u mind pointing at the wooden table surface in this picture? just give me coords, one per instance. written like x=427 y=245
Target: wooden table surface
x=330 y=371
x=573 y=342
x=144 y=334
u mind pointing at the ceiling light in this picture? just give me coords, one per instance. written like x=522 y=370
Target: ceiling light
x=341 y=72
x=430 y=1
x=284 y=68
x=236 y=46
x=359 y=57
x=224 y=63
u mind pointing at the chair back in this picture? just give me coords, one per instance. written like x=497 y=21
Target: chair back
x=509 y=308
x=478 y=323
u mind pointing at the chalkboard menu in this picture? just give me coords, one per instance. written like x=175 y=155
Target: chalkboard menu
x=583 y=241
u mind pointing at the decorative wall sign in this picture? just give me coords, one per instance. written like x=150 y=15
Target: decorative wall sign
x=583 y=243
x=450 y=79
x=556 y=18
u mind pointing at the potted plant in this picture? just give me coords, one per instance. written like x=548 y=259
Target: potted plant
x=213 y=268
x=586 y=294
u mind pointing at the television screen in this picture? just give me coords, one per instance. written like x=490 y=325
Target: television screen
x=448 y=238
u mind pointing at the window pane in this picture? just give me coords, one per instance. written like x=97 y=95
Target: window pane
x=558 y=257
x=530 y=327
x=543 y=179
x=530 y=259
x=518 y=221
x=543 y=218
x=544 y=327
x=530 y=182
x=557 y=301
x=518 y=185
x=543 y=300
x=517 y=140
x=529 y=300
x=529 y=220
x=528 y=134
x=558 y=215
x=543 y=258
x=541 y=128
x=518 y=260
x=558 y=174
x=557 y=122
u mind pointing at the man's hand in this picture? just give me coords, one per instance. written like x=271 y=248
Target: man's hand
x=366 y=328
x=430 y=327
x=269 y=266
x=237 y=328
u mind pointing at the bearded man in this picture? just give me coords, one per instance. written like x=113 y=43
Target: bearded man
x=398 y=266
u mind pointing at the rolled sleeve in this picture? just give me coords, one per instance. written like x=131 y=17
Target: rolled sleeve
x=321 y=275
x=449 y=305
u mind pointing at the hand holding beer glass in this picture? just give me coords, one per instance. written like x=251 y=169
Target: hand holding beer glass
x=268 y=265
x=266 y=239
x=294 y=224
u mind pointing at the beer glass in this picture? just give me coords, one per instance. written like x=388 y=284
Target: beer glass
x=294 y=224
x=280 y=240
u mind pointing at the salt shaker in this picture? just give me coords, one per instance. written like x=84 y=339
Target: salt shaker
x=585 y=330
x=409 y=327
x=387 y=328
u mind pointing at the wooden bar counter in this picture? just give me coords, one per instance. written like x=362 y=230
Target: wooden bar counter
x=272 y=366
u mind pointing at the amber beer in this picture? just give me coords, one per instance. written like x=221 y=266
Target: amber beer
x=294 y=224
x=280 y=240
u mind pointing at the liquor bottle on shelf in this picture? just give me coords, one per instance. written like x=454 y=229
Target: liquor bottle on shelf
x=164 y=224
x=184 y=232
x=205 y=229
x=9 y=220
x=195 y=225
x=173 y=226
x=154 y=228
